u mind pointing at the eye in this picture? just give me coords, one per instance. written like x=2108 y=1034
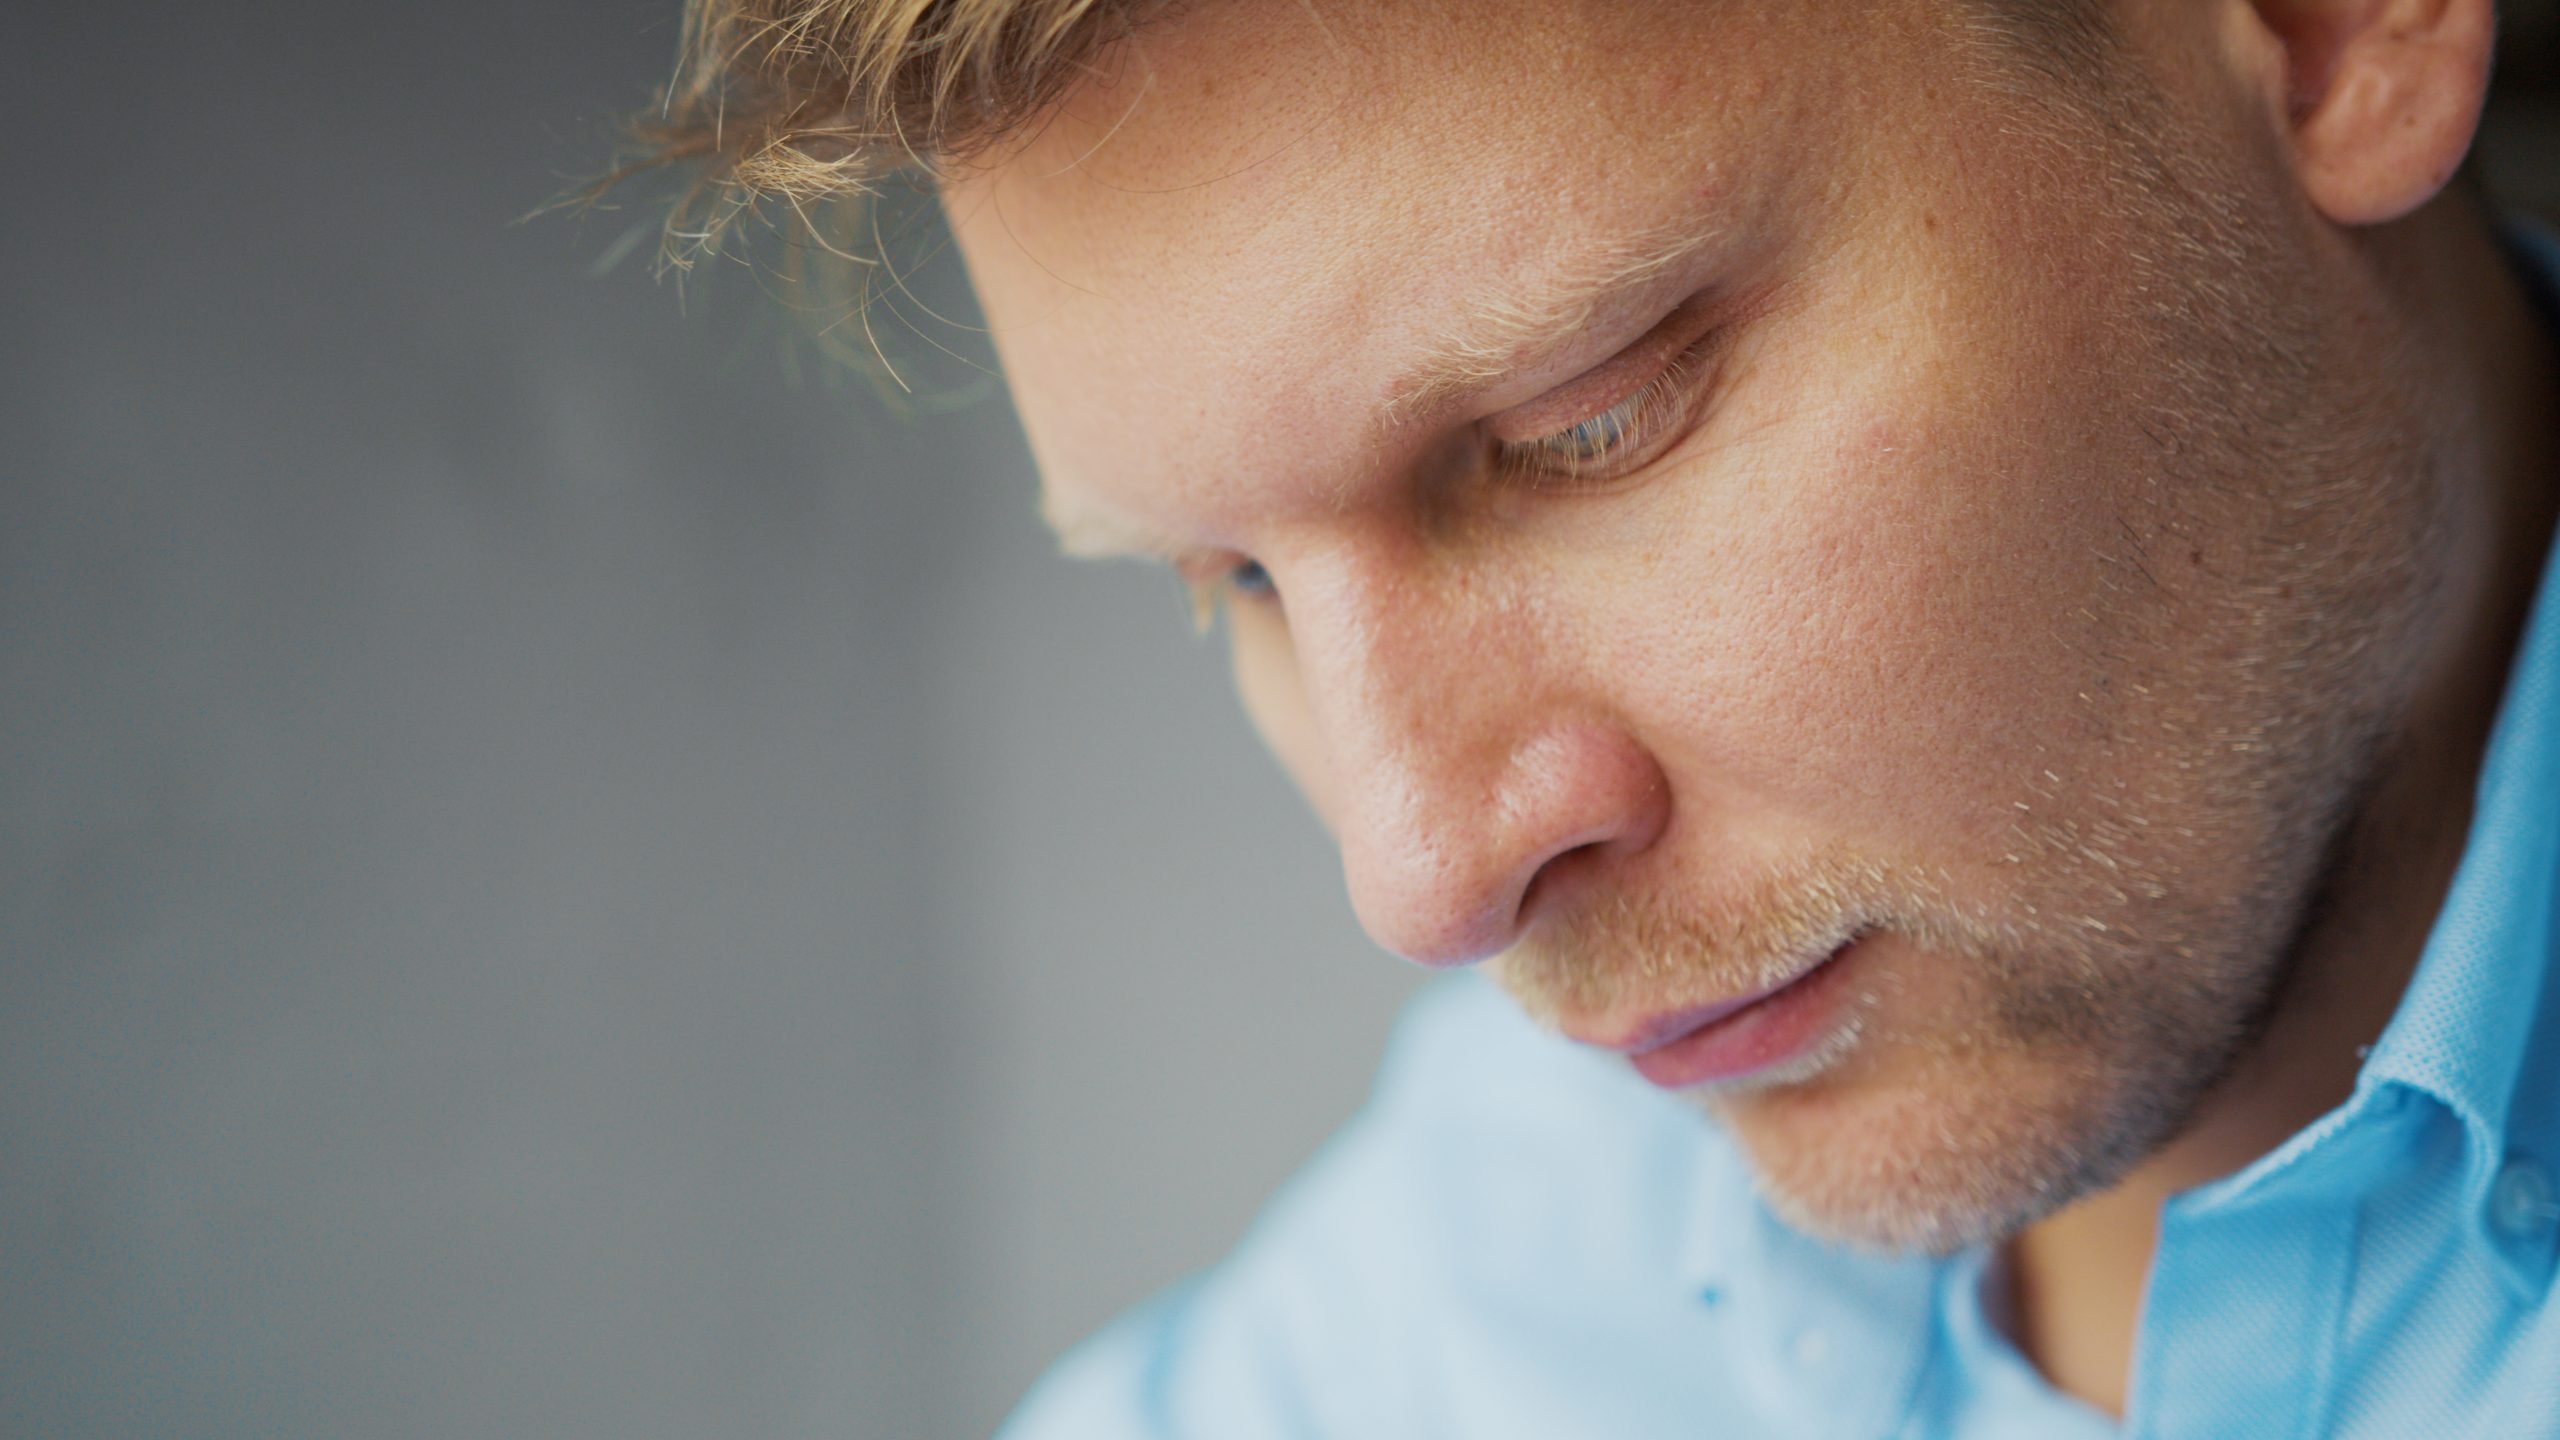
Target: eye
x=1612 y=442
x=1249 y=578
x=1598 y=437
x=1208 y=581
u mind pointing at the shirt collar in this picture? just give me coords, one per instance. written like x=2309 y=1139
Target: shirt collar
x=2474 y=1004
x=2477 y=1024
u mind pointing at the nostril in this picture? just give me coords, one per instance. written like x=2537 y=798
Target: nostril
x=1558 y=876
x=1448 y=864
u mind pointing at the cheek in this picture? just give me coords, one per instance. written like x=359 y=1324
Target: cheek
x=1931 y=598
x=1908 y=629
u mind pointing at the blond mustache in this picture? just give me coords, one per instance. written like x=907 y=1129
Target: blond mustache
x=1640 y=953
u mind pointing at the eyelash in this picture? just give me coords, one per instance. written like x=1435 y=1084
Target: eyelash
x=1630 y=428
x=1608 y=439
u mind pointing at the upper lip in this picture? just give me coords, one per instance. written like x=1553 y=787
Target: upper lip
x=1637 y=1034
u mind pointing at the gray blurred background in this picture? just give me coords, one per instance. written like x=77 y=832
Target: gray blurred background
x=563 y=871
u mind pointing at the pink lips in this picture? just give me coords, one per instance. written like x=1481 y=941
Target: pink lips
x=1741 y=1035
x=1672 y=1028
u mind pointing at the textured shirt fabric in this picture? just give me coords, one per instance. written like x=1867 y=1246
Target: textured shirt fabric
x=1517 y=1239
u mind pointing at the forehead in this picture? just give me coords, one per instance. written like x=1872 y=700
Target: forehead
x=1211 y=268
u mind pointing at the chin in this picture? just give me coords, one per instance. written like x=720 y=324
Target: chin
x=1958 y=1152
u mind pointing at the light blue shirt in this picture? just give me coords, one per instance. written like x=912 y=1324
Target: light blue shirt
x=1519 y=1240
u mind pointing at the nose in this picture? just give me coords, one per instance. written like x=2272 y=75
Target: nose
x=1474 y=775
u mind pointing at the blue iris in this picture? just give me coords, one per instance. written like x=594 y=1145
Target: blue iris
x=1595 y=437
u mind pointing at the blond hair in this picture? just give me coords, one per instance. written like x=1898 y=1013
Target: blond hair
x=802 y=103
x=796 y=105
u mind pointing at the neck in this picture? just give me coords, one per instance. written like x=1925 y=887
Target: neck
x=2077 y=1276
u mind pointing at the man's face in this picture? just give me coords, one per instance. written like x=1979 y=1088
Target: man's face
x=1739 y=497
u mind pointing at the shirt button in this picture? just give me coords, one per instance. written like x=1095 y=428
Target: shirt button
x=1812 y=1349
x=2523 y=1202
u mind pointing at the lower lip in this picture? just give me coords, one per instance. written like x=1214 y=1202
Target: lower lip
x=1765 y=1033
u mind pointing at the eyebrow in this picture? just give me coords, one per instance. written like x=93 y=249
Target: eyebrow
x=1506 y=334
x=1092 y=534
x=1499 y=337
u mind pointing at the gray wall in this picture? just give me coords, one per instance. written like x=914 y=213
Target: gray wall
x=551 y=882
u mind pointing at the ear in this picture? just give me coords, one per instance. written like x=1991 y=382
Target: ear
x=2382 y=97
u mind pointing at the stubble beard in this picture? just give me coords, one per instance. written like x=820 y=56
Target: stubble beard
x=2134 y=953
x=2090 y=1033
x=2075 y=1063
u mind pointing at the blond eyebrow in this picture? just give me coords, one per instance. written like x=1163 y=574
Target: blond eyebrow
x=1506 y=334
x=1498 y=338
x=1092 y=534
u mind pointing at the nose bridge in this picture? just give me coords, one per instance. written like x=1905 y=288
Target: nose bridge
x=1465 y=756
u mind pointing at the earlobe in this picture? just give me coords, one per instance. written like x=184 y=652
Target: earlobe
x=2384 y=96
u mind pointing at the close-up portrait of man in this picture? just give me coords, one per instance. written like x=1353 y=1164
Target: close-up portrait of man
x=1942 y=602
x=1804 y=720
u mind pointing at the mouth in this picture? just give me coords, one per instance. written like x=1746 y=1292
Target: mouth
x=1742 y=1035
